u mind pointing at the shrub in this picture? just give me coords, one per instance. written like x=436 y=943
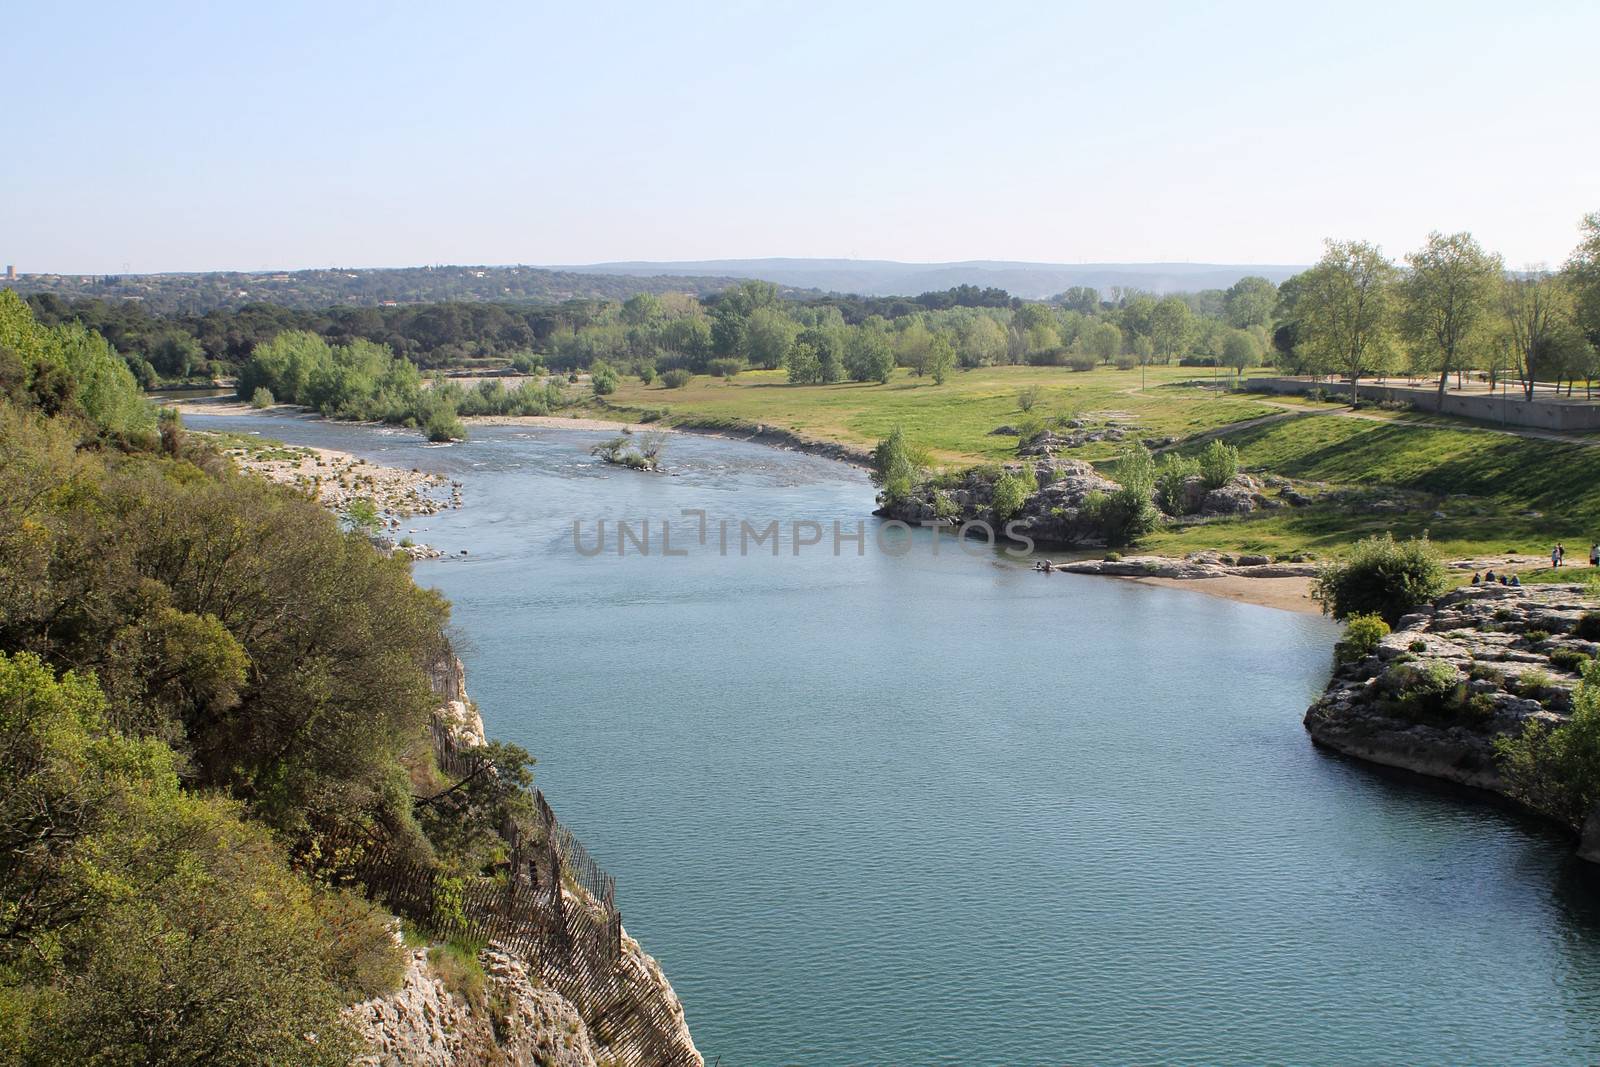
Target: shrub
x=261 y=398
x=603 y=379
x=1532 y=683
x=1535 y=636
x=1082 y=361
x=443 y=425
x=677 y=378
x=1569 y=659
x=1588 y=626
x=1360 y=639
x=896 y=466
x=1381 y=576
x=726 y=367
x=1029 y=397
x=1219 y=463
x=1427 y=689
x=1011 y=492
x=1172 y=474
x=647 y=373
x=1558 y=771
x=1112 y=557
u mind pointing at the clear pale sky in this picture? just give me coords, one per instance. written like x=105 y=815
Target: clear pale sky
x=153 y=137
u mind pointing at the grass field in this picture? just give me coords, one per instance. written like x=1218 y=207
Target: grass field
x=1470 y=488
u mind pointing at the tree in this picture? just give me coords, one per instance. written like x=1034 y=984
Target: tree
x=941 y=358
x=868 y=356
x=1582 y=272
x=896 y=465
x=983 y=342
x=1240 y=350
x=1249 y=302
x=1446 y=297
x=1082 y=299
x=1129 y=512
x=768 y=333
x=1381 y=576
x=805 y=365
x=1171 y=327
x=1537 y=309
x=1104 y=341
x=1344 y=307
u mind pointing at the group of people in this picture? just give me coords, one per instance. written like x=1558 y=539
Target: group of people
x=1558 y=555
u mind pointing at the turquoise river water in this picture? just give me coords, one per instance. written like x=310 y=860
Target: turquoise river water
x=940 y=809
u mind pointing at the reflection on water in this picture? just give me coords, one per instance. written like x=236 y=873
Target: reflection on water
x=942 y=809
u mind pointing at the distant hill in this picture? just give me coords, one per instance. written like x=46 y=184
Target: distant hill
x=196 y=294
x=881 y=277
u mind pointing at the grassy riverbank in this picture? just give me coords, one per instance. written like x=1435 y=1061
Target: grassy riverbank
x=1474 y=489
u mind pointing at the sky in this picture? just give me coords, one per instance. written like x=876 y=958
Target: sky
x=173 y=137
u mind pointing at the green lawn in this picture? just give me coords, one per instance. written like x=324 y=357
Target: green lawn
x=1471 y=489
x=953 y=420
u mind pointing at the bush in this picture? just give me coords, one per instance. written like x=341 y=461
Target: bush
x=896 y=466
x=1172 y=474
x=1588 y=627
x=1219 y=463
x=1082 y=361
x=726 y=367
x=1112 y=557
x=1011 y=492
x=261 y=398
x=1558 y=771
x=1428 y=690
x=603 y=379
x=677 y=378
x=1360 y=639
x=443 y=425
x=1381 y=577
x=1569 y=659
x=1532 y=683
x=647 y=374
x=1029 y=397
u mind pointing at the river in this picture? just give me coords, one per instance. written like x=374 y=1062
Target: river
x=901 y=807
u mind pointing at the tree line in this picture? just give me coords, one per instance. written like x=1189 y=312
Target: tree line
x=1451 y=307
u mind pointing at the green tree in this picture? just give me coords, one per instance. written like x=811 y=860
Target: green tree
x=1557 y=771
x=868 y=356
x=768 y=334
x=1381 y=576
x=1249 y=302
x=1446 y=298
x=1344 y=311
x=1104 y=341
x=941 y=359
x=1011 y=492
x=1171 y=327
x=1241 y=351
x=1219 y=462
x=896 y=466
x=1536 y=308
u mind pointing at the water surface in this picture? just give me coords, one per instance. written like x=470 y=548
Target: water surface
x=943 y=810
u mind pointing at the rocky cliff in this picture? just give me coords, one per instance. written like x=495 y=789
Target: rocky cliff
x=1478 y=664
x=551 y=1008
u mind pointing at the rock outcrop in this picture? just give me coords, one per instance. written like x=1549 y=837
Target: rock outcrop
x=1478 y=664
x=515 y=1018
x=1193 y=566
x=1053 y=514
x=510 y=1021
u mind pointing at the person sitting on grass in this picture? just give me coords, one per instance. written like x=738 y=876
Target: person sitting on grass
x=1488 y=579
x=1515 y=581
x=1475 y=578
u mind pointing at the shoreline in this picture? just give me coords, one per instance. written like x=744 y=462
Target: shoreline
x=1283 y=593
